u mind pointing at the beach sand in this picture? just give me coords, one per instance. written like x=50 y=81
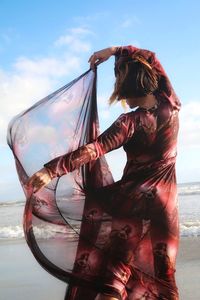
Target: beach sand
x=22 y=278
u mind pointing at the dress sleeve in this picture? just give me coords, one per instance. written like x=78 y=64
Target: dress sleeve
x=125 y=50
x=112 y=138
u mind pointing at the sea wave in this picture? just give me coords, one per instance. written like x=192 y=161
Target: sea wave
x=189 y=188
x=190 y=228
x=11 y=204
x=40 y=232
x=11 y=232
x=184 y=189
x=187 y=229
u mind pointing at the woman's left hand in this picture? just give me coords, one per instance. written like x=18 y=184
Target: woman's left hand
x=100 y=56
x=39 y=179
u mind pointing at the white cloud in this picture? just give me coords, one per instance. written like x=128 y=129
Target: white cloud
x=18 y=92
x=43 y=134
x=6 y=37
x=104 y=114
x=84 y=20
x=9 y=35
x=80 y=31
x=75 y=39
x=50 y=66
x=104 y=109
x=118 y=156
x=189 y=134
x=130 y=22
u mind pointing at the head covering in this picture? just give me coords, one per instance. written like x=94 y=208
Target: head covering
x=148 y=58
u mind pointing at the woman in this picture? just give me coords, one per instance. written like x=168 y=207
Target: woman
x=144 y=239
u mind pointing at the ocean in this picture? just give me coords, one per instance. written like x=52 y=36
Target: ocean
x=11 y=214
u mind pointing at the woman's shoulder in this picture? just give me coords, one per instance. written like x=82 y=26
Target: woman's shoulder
x=163 y=109
x=166 y=110
x=126 y=117
x=127 y=121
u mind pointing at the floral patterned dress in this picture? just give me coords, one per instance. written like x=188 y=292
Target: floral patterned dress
x=143 y=204
x=129 y=233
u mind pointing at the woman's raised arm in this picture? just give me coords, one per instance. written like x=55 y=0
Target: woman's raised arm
x=102 y=55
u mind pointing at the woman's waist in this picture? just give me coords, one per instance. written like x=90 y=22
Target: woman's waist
x=135 y=166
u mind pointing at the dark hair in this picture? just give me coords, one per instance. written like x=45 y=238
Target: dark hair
x=134 y=78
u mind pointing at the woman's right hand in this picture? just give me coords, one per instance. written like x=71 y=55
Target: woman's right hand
x=100 y=56
x=38 y=180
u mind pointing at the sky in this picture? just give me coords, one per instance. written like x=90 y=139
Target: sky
x=45 y=44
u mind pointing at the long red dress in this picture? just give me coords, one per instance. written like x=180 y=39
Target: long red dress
x=128 y=235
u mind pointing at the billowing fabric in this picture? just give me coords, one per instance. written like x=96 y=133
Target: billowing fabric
x=117 y=238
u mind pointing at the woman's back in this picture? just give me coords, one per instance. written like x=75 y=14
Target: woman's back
x=155 y=134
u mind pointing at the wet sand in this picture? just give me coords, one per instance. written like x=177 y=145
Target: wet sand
x=22 y=278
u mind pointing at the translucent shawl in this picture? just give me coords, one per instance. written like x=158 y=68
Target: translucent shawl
x=55 y=226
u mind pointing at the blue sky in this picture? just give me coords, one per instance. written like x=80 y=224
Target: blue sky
x=45 y=44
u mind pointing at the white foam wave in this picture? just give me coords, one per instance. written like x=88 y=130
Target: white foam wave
x=189 y=188
x=11 y=232
x=12 y=204
x=40 y=232
x=52 y=231
x=190 y=228
x=187 y=229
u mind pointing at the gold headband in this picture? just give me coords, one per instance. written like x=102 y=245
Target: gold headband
x=142 y=60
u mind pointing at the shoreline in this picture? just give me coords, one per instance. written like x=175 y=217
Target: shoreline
x=23 y=278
